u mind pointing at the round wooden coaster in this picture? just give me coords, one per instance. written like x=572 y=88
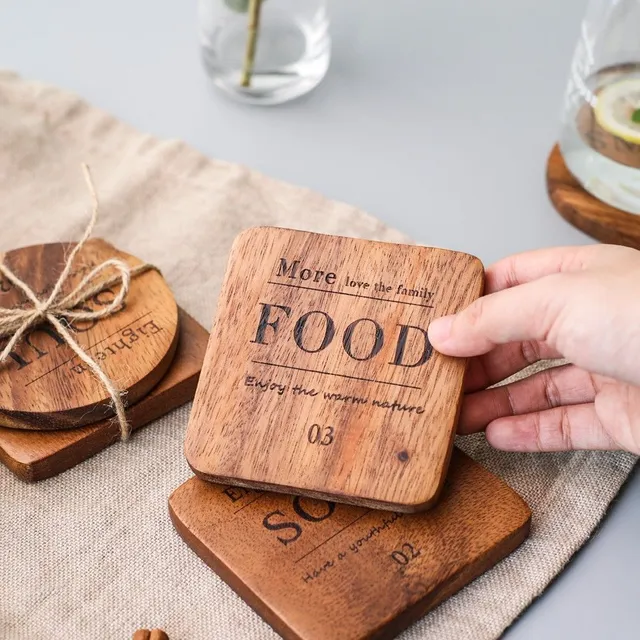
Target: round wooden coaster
x=43 y=384
x=584 y=211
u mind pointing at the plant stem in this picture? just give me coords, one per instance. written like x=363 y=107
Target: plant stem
x=250 y=53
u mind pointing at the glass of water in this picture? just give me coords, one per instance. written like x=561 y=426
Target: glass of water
x=600 y=139
x=265 y=51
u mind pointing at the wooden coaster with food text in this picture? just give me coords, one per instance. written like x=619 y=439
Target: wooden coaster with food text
x=37 y=455
x=319 y=378
x=317 y=570
x=43 y=384
x=584 y=211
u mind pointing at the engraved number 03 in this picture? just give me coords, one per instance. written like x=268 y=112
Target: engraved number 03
x=320 y=435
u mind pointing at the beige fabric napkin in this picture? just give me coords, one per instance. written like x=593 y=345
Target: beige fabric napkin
x=92 y=553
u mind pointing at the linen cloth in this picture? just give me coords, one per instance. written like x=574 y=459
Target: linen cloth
x=92 y=553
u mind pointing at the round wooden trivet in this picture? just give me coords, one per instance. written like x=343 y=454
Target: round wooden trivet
x=43 y=384
x=584 y=211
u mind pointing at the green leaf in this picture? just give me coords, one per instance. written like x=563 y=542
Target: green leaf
x=241 y=6
x=635 y=116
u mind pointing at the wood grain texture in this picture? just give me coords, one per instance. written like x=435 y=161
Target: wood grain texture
x=323 y=571
x=44 y=385
x=319 y=379
x=34 y=456
x=584 y=211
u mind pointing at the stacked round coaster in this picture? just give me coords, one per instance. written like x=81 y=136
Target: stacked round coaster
x=54 y=412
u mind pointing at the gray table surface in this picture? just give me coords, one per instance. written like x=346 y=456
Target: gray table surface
x=436 y=117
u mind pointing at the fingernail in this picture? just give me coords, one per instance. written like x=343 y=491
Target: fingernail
x=440 y=329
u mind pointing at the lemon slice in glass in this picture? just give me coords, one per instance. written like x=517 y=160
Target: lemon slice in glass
x=618 y=109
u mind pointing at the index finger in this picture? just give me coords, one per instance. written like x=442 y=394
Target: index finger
x=521 y=268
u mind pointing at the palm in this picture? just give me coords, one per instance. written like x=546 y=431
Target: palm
x=617 y=406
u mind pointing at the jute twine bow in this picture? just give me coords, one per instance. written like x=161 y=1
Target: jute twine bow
x=61 y=311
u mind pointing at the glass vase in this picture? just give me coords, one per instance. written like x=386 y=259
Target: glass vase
x=600 y=139
x=265 y=51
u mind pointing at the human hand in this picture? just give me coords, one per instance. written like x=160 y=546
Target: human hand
x=577 y=303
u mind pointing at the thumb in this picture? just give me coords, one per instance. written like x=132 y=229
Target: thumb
x=525 y=312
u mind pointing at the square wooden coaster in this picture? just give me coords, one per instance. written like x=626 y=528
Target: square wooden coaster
x=36 y=455
x=317 y=570
x=319 y=379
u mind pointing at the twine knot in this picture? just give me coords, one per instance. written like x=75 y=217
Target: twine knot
x=60 y=312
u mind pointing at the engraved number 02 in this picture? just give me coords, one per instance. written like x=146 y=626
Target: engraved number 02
x=320 y=435
x=404 y=555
